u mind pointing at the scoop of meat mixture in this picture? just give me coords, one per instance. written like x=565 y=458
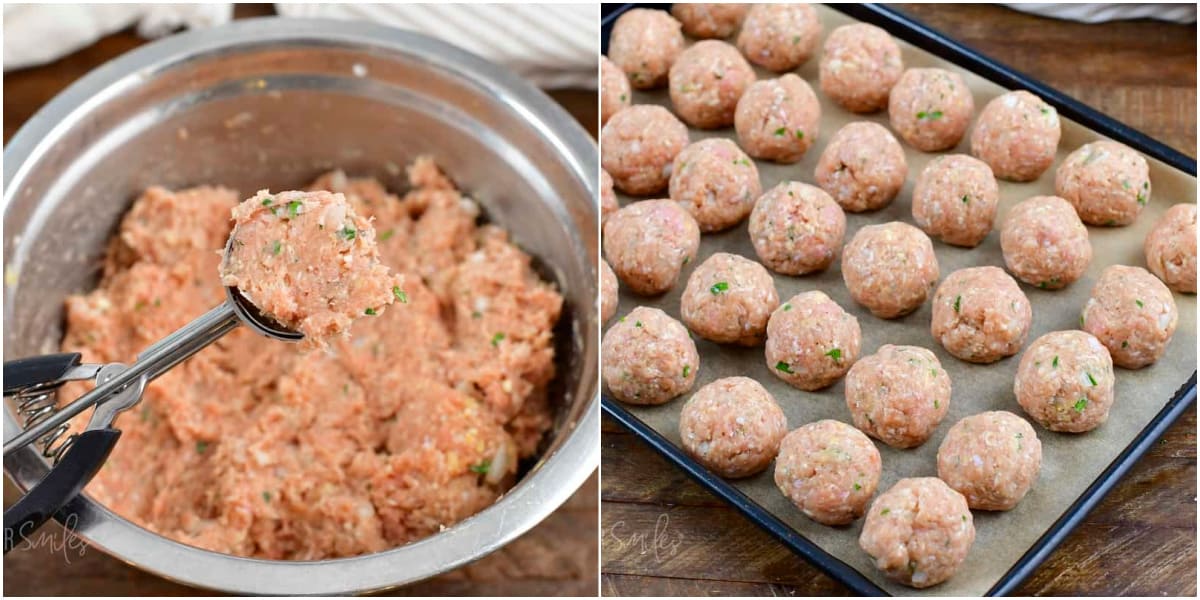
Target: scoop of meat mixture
x=308 y=261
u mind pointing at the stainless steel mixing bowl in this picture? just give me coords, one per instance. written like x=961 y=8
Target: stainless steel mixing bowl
x=272 y=103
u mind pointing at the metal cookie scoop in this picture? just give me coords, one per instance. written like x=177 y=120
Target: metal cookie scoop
x=31 y=383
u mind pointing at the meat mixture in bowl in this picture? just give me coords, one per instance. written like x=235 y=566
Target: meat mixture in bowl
x=413 y=423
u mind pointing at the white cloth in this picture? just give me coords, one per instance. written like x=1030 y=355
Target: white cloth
x=553 y=46
x=1099 y=13
x=36 y=34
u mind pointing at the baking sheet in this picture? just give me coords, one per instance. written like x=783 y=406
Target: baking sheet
x=1070 y=462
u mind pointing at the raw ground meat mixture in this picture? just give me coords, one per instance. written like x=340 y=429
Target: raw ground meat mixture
x=253 y=448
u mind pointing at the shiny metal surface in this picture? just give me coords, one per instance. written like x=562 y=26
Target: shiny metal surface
x=272 y=103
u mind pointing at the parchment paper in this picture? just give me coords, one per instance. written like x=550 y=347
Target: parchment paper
x=1070 y=462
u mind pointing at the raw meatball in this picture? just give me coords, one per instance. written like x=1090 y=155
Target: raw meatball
x=716 y=182
x=980 y=314
x=863 y=167
x=728 y=300
x=860 y=65
x=647 y=243
x=918 y=532
x=1044 y=242
x=1065 y=381
x=307 y=261
x=649 y=357
x=898 y=395
x=829 y=470
x=811 y=341
x=608 y=198
x=778 y=119
x=644 y=43
x=992 y=458
x=955 y=199
x=706 y=82
x=732 y=426
x=1017 y=136
x=1108 y=183
x=890 y=268
x=931 y=108
x=1171 y=248
x=614 y=90
x=638 y=145
x=780 y=37
x=709 y=20
x=1132 y=313
x=608 y=292
x=796 y=228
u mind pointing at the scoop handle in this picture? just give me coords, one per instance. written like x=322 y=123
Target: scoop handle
x=65 y=481
x=38 y=370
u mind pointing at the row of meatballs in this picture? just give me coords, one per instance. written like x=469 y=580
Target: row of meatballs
x=1064 y=381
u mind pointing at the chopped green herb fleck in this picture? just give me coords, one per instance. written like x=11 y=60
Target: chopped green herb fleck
x=482 y=468
x=267 y=201
x=1125 y=184
x=1141 y=198
x=499 y=337
x=686 y=369
x=719 y=287
x=782 y=366
x=139 y=305
x=964 y=518
x=638 y=324
x=477 y=314
x=1125 y=344
x=1091 y=379
x=1139 y=303
x=294 y=208
x=386 y=234
x=1055 y=362
x=266 y=496
x=623 y=97
x=742 y=161
x=782 y=131
x=1110 y=222
x=957 y=303
x=1045 y=111
x=795 y=39
x=348 y=233
x=399 y=294
x=201 y=447
x=835 y=354
x=787 y=306
x=276 y=247
x=933 y=372
x=370 y=311
x=1080 y=321
x=799 y=134
x=1080 y=405
x=857 y=487
x=935 y=404
x=966 y=199
x=885 y=511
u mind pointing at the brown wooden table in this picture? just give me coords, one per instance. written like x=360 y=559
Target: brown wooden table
x=661 y=534
x=558 y=557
